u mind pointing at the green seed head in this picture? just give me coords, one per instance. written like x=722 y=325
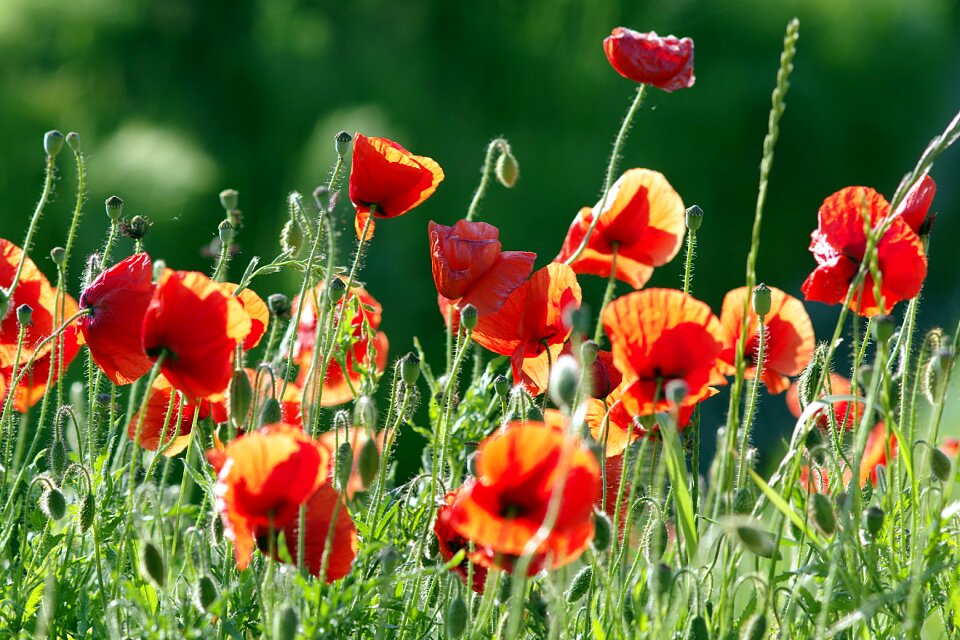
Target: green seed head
x=52 y=143
x=580 y=585
x=410 y=369
x=694 y=217
x=761 y=300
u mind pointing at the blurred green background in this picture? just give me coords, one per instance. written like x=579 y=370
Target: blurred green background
x=176 y=100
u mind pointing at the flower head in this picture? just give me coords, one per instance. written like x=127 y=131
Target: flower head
x=450 y=543
x=168 y=420
x=666 y=63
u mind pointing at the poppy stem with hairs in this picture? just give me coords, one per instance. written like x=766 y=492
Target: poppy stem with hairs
x=688 y=262
x=7 y=438
x=498 y=143
x=751 y=402
x=608 y=292
x=611 y=170
x=37 y=212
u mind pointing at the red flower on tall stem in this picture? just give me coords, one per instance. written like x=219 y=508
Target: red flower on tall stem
x=789 y=337
x=664 y=62
x=388 y=180
x=642 y=220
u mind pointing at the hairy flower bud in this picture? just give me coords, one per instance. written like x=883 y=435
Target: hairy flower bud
x=660 y=577
x=940 y=465
x=152 y=563
x=291 y=237
x=53 y=503
x=87 y=512
x=580 y=584
x=241 y=396
x=755 y=628
x=507 y=170
x=206 y=593
x=694 y=218
x=589 y=351
x=602 y=530
x=270 y=412
x=285 y=624
x=883 y=327
x=457 y=618
x=873 y=520
x=365 y=412
x=344 y=465
x=57 y=457
x=368 y=462
x=564 y=381
x=821 y=512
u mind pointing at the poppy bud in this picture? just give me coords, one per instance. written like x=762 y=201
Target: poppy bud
x=761 y=300
x=456 y=618
x=410 y=369
x=152 y=563
x=814 y=439
x=206 y=592
x=270 y=412
x=469 y=317
x=285 y=624
x=677 y=391
x=291 y=237
x=872 y=520
x=940 y=465
x=87 y=513
x=507 y=169
x=365 y=412
x=506 y=585
x=335 y=290
x=279 y=305
x=502 y=386
x=226 y=232
x=53 y=503
x=588 y=353
x=344 y=465
x=432 y=549
x=58 y=457
x=578 y=319
x=580 y=585
x=25 y=315
x=136 y=228
x=216 y=530
x=755 y=629
x=698 y=629
x=602 y=530
x=755 y=540
x=821 y=512
x=368 y=463
x=694 y=217
x=534 y=414
x=228 y=199
x=73 y=141
x=58 y=255
x=241 y=395
x=743 y=501
x=114 y=206
x=341 y=143
x=660 y=577
x=564 y=380
x=52 y=143
x=883 y=327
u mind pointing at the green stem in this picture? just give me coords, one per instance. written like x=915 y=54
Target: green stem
x=488 y=162
x=44 y=198
x=751 y=401
x=688 y=262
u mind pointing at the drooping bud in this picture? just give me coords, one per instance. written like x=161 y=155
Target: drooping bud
x=469 y=317
x=152 y=563
x=602 y=530
x=114 y=206
x=291 y=237
x=321 y=197
x=270 y=412
x=821 y=512
x=580 y=584
x=761 y=300
x=216 y=529
x=676 y=391
x=502 y=386
x=564 y=381
x=873 y=520
x=508 y=170
x=206 y=593
x=694 y=218
x=410 y=369
x=940 y=465
x=365 y=412
x=589 y=351
x=87 y=513
x=368 y=462
x=335 y=290
x=136 y=228
x=73 y=141
x=4 y=302
x=58 y=457
x=53 y=503
x=226 y=232
x=341 y=143
x=52 y=143
x=457 y=618
x=241 y=396
x=285 y=624
x=25 y=315
x=883 y=327
x=58 y=255
x=279 y=305
x=344 y=465
x=228 y=199
x=755 y=628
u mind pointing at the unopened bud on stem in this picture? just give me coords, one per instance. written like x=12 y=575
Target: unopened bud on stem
x=694 y=218
x=341 y=143
x=114 y=206
x=761 y=300
x=52 y=143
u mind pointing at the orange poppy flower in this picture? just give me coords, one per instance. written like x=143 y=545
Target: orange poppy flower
x=875 y=453
x=262 y=479
x=198 y=326
x=117 y=300
x=839 y=243
x=789 y=340
x=517 y=471
x=533 y=324
x=364 y=314
x=321 y=507
x=256 y=309
x=643 y=218
x=33 y=385
x=666 y=63
x=388 y=178
x=178 y=426
x=450 y=543
x=469 y=267
x=357 y=437
x=846 y=417
x=659 y=335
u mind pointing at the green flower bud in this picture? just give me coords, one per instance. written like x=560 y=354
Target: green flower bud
x=602 y=530
x=410 y=369
x=206 y=593
x=755 y=628
x=508 y=170
x=579 y=320
x=589 y=351
x=279 y=305
x=502 y=386
x=4 y=302
x=506 y=585
x=341 y=143
x=344 y=465
x=698 y=629
x=469 y=317
x=365 y=412
x=73 y=141
x=216 y=529
x=761 y=300
x=940 y=465
x=335 y=290
x=368 y=463
x=270 y=412
x=52 y=143
x=580 y=585
x=873 y=520
x=58 y=457
x=291 y=237
x=25 y=315
x=883 y=327
x=228 y=199
x=285 y=624
x=659 y=578
x=694 y=218
x=58 y=255
x=564 y=381
x=87 y=512
x=755 y=540
x=534 y=413
x=226 y=232
x=53 y=503
x=241 y=396
x=152 y=563
x=457 y=617
x=821 y=512
x=114 y=206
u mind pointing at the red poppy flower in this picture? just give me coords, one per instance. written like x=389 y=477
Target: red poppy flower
x=839 y=244
x=469 y=267
x=815 y=479
x=167 y=407
x=875 y=453
x=117 y=301
x=387 y=177
x=643 y=218
x=450 y=543
x=198 y=326
x=517 y=471
x=789 y=337
x=322 y=507
x=256 y=309
x=357 y=437
x=659 y=335
x=363 y=314
x=262 y=479
x=533 y=324
x=33 y=385
x=666 y=63
x=846 y=416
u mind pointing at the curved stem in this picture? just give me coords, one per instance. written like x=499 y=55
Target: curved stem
x=498 y=143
